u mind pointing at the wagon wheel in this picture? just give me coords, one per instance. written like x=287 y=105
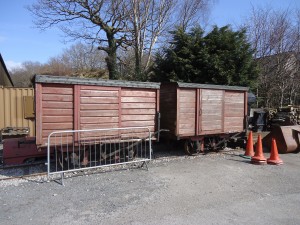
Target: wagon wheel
x=84 y=158
x=68 y=160
x=133 y=152
x=189 y=147
x=225 y=144
x=126 y=153
x=220 y=144
x=61 y=160
x=212 y=144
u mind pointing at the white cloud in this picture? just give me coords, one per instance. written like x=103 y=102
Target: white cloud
x=10 y=65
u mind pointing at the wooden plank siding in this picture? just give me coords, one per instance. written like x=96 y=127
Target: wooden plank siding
x=186 y=112
x=211 y=116
x=82 y=107
x=139 y=108
x=99 y=107
x=196 y=110
x=55 y=110
x=234 y=111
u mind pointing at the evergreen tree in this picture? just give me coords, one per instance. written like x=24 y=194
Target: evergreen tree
x=221 y=57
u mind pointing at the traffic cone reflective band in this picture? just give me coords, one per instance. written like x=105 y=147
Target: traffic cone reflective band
x=258 y=157
x=274 y=157
x=249 y=148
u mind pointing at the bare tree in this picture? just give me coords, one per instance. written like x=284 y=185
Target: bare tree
x=82 y=57
x=149 y=20
x=190 y=12
x=110 y=24
x=274 y=36
x=56 y=66
x=146 y=21
x=77 y=60
x=99 y=21
x=22 y=76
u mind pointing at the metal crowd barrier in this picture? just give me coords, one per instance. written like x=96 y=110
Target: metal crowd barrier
x=78 y=150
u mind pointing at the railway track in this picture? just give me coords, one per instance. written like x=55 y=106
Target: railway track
x=22 y=165
x=162 y=155
x=23 y=176
x=10 y=172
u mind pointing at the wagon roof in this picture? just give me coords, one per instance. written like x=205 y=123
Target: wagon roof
x=93 y=81
x=211 y=86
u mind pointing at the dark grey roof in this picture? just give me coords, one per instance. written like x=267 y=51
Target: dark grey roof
x=211 y=86
x=92 y=81
x=5 y=69
x=251 y=98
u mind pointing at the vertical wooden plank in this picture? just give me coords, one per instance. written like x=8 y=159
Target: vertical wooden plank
x=177 y=111
x=223 y=111
x=197 y=111
x=200 y=112
x=76 y=113
x=38 y=113
x=157 y=111
x=32 y=122
x=157 y=100
x=120 y=106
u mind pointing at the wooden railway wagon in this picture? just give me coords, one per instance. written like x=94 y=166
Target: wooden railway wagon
x=71 y=103
x=206 y=116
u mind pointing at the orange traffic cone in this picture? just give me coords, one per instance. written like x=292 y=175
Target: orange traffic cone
x=258 y=158
x=249 y=147
x=274 y=157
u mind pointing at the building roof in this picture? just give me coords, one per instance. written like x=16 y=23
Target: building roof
x=211 y=86
x=283 y=64
x=5 y=69
x=284 y=58
x=93 y=81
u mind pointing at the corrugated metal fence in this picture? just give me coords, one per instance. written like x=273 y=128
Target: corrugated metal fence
x=13 y=105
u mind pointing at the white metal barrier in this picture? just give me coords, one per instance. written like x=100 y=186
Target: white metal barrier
x=78 y=150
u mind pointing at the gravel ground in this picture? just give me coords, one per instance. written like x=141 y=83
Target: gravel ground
x=218 y=188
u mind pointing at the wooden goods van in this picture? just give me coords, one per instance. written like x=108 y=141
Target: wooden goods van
x=71 y=103
x=203 y=115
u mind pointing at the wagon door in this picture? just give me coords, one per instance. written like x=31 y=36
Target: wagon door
x=186 y=110
x=211 y=111
x=234 y=111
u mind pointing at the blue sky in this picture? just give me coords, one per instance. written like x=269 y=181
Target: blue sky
x=20 y=41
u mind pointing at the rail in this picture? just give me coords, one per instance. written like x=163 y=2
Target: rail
x=77 y=150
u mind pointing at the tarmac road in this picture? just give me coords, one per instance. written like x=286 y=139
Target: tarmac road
x=207 y=189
